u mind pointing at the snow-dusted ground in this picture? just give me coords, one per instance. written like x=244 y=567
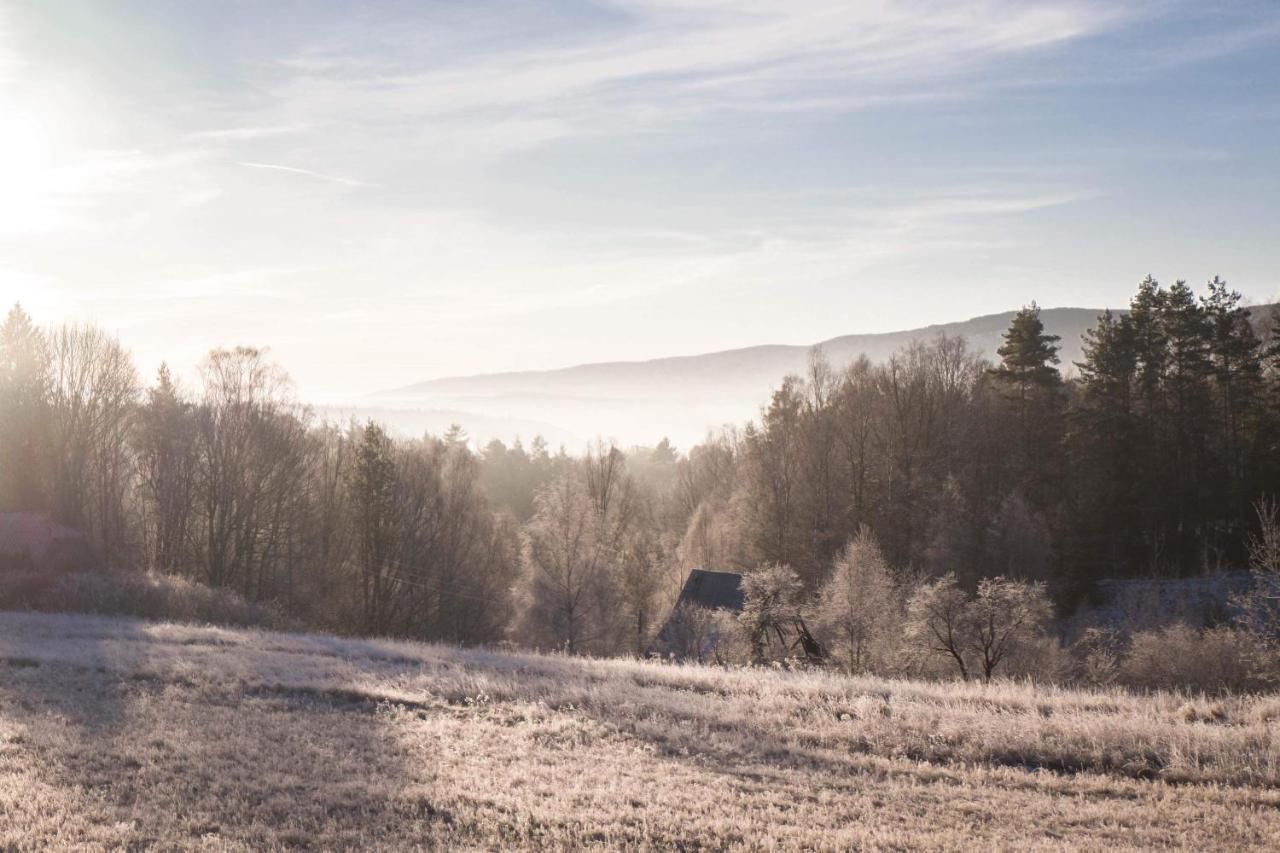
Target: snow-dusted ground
x=119 y=733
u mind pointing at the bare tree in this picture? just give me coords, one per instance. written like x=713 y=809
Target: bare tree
x=938 y=620
x=639 y=579
x=855 y=412
x=1259 y=605
x=1003 y=614
x=252 y=459
x=774 y=472
x=981 y=631
x=566 y=560
x=93 y=389
x=708 y=473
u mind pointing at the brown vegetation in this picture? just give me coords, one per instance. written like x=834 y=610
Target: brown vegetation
x=122 y=734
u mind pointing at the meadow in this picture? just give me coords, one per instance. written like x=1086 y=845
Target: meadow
x=126 y=734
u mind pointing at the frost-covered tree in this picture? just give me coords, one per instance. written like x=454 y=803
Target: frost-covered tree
x=772 y=603
x=1004 y=614
x=858 y=607
x=938 y=621
x=977 y=633
x=1260 y=604
x=568 y=592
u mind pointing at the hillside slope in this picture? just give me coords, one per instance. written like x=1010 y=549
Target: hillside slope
x=682 y=397
x=125 y=734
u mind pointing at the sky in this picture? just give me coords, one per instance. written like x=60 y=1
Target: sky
x=387 y=192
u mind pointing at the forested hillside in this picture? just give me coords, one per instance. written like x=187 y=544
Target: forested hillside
x=1148 y=460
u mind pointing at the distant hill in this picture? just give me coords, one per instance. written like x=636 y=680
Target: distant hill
x=682 y=397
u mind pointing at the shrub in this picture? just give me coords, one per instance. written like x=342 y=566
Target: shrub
x=1214 y=660
x=147 y=596
x=690 y=633
x=1259 y=606
x=772 y=602
x=1098 y=655
x=732 y=645
x=1040 y=659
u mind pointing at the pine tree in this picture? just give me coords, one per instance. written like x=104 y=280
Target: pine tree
x=1104 y=445
x=1029 y=355
x=1235 y=355
x=1027 y=378
x=373 y=498
x=164 y=446
x=1146 y=311
x=1184 y=462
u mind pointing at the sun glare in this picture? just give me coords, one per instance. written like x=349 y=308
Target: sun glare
x=25 y=165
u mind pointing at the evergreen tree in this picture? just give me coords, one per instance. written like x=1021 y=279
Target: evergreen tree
x=1104 y=443
x=1183 y=463
x=372 y=488
x=164 y=445
x=1235 y=355
x=1027 y=378
x=1029 y=355
x=1146 y=311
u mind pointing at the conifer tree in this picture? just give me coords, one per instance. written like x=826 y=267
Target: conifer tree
x=1029 y=355
x=372 y=488
x=1105 y=439
x=1183 y=464
x=1027 y=378
x=1235 y=355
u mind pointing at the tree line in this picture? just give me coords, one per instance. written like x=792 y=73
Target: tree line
x=1144 y=459
x=234 y=485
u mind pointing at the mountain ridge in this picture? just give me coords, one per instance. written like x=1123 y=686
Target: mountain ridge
x=684 y=396
x=988 y=323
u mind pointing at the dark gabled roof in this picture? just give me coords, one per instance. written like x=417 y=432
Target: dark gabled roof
x=713 y=590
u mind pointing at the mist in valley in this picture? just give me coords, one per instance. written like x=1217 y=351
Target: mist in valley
x=633 y=424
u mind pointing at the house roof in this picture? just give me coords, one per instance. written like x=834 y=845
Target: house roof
x=713 y=590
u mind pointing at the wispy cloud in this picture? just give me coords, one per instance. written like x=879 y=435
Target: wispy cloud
x=666 y=61
x=239 y=134
x=293 y=170
x=598 y=178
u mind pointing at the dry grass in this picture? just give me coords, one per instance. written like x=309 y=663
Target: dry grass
x=117 y=733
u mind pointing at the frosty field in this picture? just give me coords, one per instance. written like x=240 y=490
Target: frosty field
x=126 y=734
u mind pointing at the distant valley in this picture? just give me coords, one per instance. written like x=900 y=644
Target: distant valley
x=681 y=398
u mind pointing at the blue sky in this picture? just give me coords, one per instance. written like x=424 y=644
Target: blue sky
x=387 y=192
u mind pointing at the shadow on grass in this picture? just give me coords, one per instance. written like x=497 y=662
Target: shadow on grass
x=146 y=754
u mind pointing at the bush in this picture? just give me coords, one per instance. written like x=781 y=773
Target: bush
x=146 y=596
x=1098 y=655
x=1215 y=660
x=1039 y=659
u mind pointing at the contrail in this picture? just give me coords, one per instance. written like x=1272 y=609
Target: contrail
x=332 y=178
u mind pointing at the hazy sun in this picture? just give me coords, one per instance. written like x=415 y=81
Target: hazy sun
x=26 y=164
